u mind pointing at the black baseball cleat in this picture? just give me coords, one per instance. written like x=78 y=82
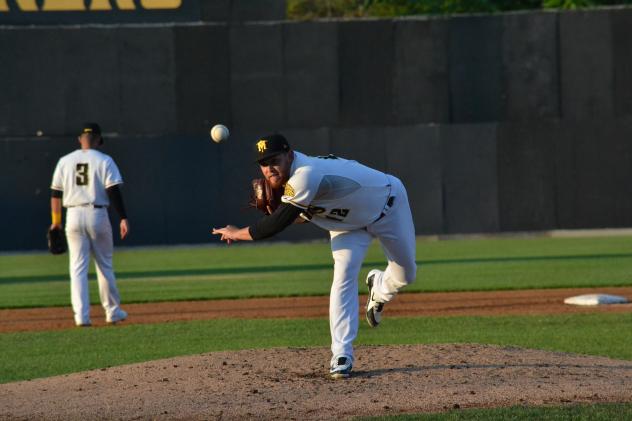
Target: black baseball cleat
x=373 y=307
x=341 y=367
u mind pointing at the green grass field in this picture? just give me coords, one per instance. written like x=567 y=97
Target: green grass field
x=28 y=355
x=195 y=273
x=36 y=280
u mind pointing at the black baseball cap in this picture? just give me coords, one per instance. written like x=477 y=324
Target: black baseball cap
x=92 y=128
x=269 y=146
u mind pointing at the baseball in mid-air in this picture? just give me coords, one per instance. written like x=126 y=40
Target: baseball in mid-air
x=219 y=133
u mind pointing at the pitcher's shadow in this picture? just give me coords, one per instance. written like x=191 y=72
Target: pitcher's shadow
x=414 y=369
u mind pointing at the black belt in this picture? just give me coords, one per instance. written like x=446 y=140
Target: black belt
x=88 y=205
x=389 y=204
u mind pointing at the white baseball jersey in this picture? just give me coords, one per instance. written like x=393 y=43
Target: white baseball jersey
x=355 y=204
x=339 y=194
x=83 y=176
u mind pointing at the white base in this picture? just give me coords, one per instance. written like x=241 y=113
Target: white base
x=595 y=299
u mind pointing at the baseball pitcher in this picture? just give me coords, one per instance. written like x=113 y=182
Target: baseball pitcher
x=86 y=182
x=355 y=204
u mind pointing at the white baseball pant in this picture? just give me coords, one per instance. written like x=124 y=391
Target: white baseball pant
x=396 y=234
x=88 y=231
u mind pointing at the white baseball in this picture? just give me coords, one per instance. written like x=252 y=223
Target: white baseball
x=219 y=133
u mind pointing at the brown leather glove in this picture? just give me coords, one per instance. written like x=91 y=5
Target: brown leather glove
x=264 y=197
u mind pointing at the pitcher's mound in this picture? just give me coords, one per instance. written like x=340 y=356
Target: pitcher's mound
x=293 y=384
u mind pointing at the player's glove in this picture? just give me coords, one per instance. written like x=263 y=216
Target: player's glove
x=264 y=197
x=56 y=241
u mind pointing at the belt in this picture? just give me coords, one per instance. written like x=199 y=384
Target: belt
x=88 y=205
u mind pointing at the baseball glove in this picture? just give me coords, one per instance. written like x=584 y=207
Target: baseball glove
x=57 y=241
x=264 y=197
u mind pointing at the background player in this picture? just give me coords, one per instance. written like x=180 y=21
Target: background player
x=354 y=203
x=86 y=181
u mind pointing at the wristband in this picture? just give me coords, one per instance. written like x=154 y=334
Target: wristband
x=56 y=217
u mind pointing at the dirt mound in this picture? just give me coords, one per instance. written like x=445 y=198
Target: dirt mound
x=293 y=384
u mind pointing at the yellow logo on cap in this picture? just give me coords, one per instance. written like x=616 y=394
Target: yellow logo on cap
x=289 y=191
x=262 y=145
x=87 y=130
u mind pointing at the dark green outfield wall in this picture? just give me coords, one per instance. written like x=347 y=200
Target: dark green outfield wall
x=496 y=123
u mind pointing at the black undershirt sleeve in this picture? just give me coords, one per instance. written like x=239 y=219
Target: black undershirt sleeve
x=273 y=224
x=116 y=200
x=56 y=193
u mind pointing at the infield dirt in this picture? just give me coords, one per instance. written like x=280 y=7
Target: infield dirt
x=436 y=304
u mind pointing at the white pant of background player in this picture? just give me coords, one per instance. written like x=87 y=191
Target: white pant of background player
x=89 y=232
x=396 y=233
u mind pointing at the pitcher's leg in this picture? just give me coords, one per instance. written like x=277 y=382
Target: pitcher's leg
x=79 y=260
x=348 y=250
x=103 y=248
x=396 y=233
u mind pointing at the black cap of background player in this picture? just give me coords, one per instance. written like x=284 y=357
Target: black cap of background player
x=92 y=128
x=269 y=146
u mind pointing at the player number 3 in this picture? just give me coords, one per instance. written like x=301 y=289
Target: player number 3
x=81 y=173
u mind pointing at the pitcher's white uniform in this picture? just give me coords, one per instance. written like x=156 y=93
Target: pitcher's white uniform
x=355 y=203
x=83 y=176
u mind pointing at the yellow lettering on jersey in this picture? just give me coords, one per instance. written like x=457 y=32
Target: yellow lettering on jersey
x=262 y=145
x=63 y=5
x=4 y=7
x=161 y=4
x=288 y=191
x=27 y=5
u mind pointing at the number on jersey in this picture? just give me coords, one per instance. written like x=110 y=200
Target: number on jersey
x=81 y=175
x=338 y=214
